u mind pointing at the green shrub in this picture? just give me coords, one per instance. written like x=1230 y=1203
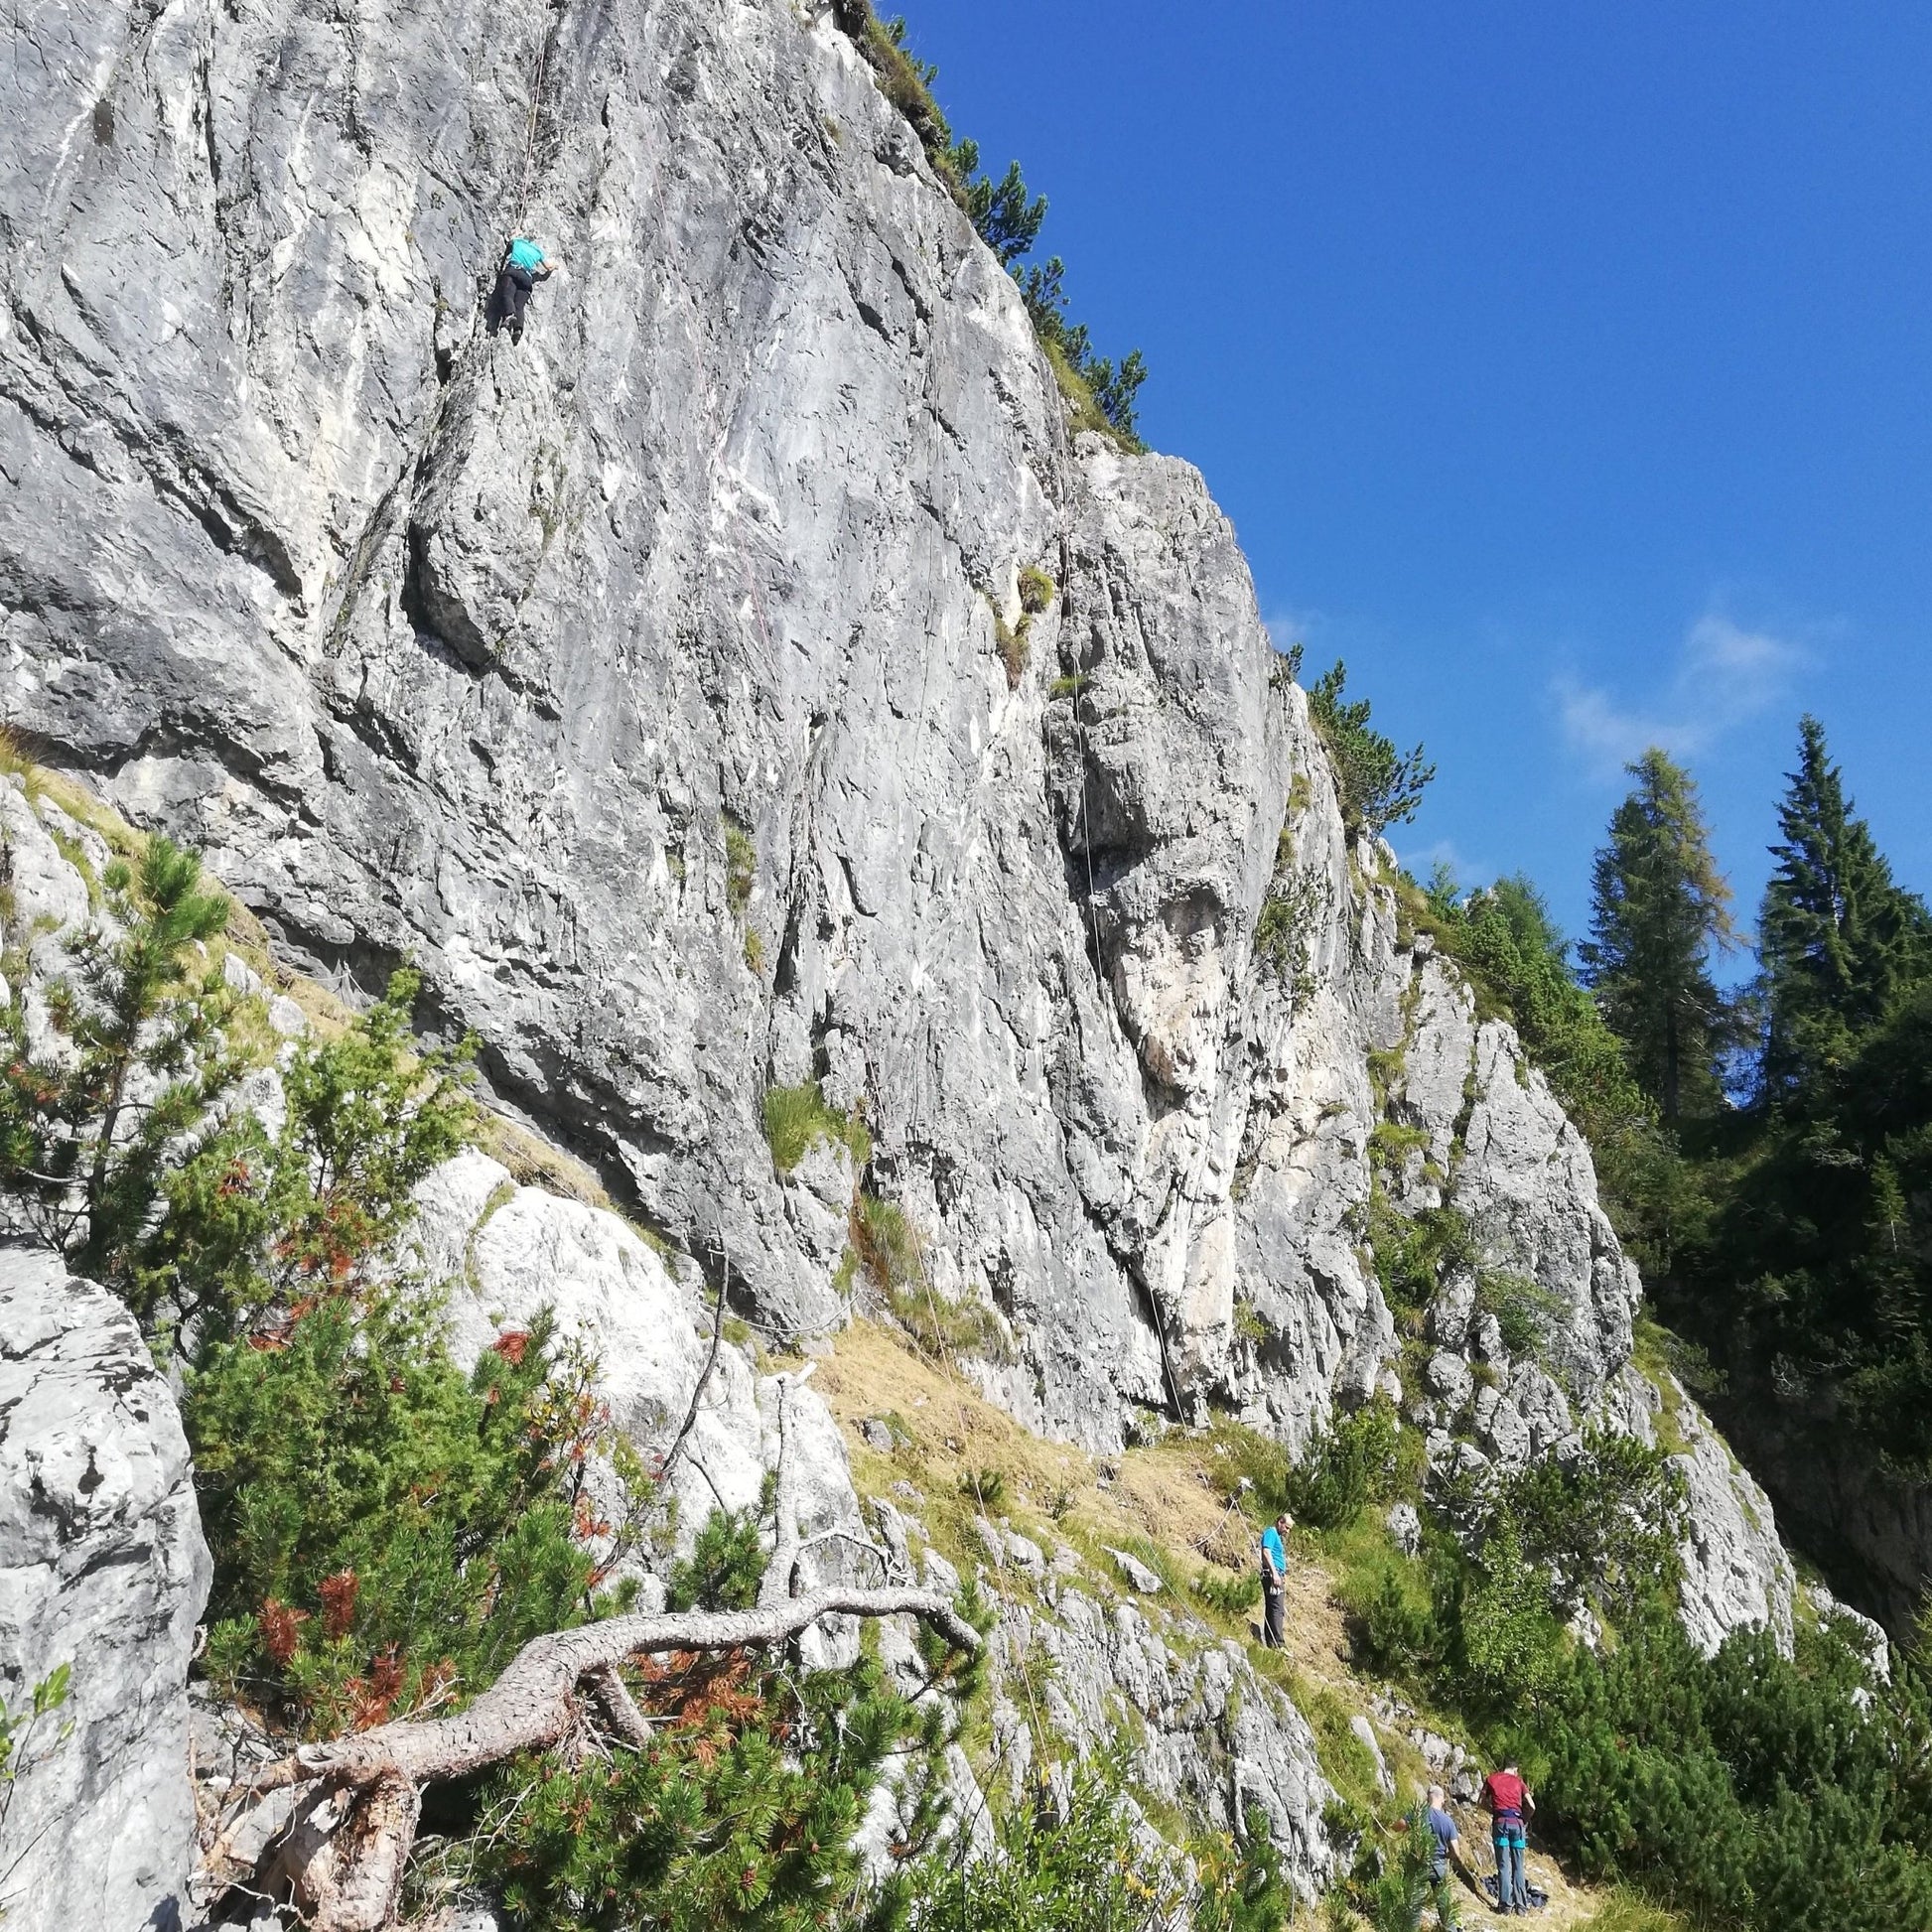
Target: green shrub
x=1745 y=1791
x=1288 y=917
x=1036 y=590
x=25 y=1739
x=1378 y=786
x=726 y=1566
x=1604 y=1521
x=1248 y=1468
x=1524 y=1309
x=744 y=1807
x=1394 y=1894
x=795 y=1118
x=253 y=1226
x=1395 y=1628
x=1506 y=1643
x=1350 y=1464
x=888 y=1245
x=1081 y=1867
x=744 y=1810
x=1227 y=1596
x=984 y=1489
x=1414 y=1254
x=82 y=1158
x=1011 y=644
x=385 y=1529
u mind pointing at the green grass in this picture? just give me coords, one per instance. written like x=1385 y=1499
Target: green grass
x=1011 y=644
x=797 y=1118
x=1525 y=1311
x=1624 y=1911
x=1083 y=411
x=1036 y=590
x=1392 y=1144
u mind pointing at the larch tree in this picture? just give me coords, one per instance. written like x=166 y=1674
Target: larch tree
x=1659 y=910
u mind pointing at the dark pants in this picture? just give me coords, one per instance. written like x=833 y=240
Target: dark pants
x=506 y=304
x=1270 y=1615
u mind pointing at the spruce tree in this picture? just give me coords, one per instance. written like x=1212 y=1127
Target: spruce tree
x=1841 y=940
x=1659 y=909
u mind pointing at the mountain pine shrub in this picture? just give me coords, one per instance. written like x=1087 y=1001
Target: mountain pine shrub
x=386 y=1530
x=1378 y=785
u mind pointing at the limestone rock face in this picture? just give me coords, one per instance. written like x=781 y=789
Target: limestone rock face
x=506 y=1252
x=1736 y=1572
x=645 y=684
x=102 y=1568
x=1209 y=1735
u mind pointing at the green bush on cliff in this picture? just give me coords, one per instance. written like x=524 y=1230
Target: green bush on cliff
x=385 y=1529
x=1378 y=785
x=1073 y=1861
x=1351 y=1463
x=90 y=1135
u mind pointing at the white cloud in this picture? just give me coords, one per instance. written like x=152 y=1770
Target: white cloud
x=1725 y=675
x=1421 y=861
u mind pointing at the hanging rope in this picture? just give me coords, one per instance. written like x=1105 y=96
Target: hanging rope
x=530 y=125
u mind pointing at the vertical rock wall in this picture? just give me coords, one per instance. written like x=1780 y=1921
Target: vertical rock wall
x=661 y=687
x=102 y=1568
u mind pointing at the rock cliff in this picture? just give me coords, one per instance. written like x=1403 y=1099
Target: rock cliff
x=662 y=686
x=102 y=1569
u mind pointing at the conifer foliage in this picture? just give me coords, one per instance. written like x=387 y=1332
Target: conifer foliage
x=1659 y=909
x=90 y=1123
x=1839 y=940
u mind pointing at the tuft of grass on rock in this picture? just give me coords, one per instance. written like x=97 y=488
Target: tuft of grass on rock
x=797 y=1118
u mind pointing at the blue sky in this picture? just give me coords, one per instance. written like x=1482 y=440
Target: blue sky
x=1565 y=368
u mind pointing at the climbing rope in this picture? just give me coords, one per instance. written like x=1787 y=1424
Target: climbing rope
x=530 y=124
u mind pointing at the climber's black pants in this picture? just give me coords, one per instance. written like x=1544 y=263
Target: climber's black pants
x=506 y=304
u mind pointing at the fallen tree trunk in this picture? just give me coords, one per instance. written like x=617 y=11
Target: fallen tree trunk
x=348 y=1843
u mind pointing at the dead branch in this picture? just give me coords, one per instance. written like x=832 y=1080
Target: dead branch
x=710 y=1362
x=345 y=1856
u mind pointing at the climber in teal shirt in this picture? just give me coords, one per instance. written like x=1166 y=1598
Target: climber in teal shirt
x=1274 y=1579
x=524 y=266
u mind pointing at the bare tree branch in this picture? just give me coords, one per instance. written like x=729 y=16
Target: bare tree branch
x=352 y=1842
x=629 y=1724
x=704 y=1376
x=780 y=1573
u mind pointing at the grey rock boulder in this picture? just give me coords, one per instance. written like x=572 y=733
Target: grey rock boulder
x=102 y=1568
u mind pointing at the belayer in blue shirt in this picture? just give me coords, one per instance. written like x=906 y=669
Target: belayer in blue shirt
x=524 y=266
x=1274 y=1577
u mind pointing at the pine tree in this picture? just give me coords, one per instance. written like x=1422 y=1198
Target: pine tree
x=1841 y=940
x=1659 y=909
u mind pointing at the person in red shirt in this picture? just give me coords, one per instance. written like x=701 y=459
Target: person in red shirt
x=1507 y=1800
